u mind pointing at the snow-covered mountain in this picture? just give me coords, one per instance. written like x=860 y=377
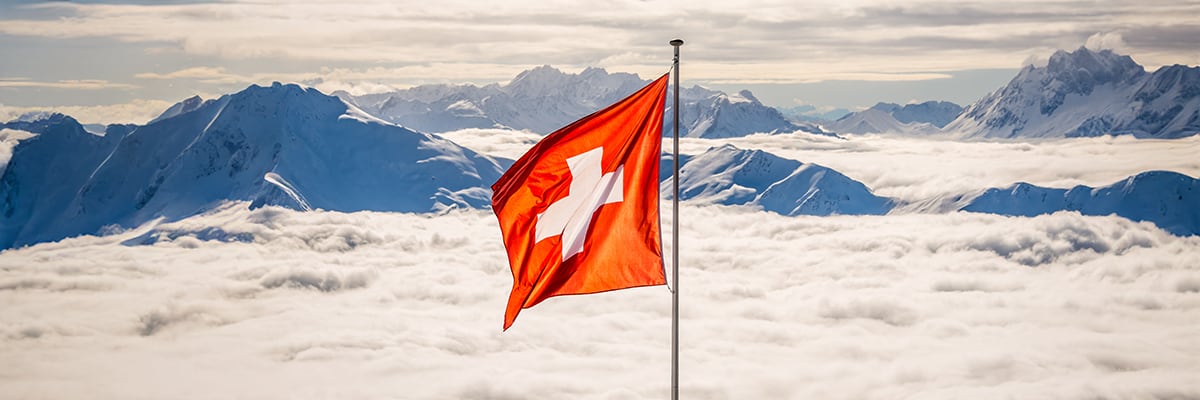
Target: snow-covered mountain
x=186 y=106
x=936 y=113
x=1168 y=199
x=280 y=144
x=732 y=176
x=921 y=119
x=1088 y=93
x=544 y=99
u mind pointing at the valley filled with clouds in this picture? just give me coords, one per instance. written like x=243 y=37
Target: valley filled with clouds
x=276 y=303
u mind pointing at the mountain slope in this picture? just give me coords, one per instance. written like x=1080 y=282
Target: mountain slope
x=936 y=113
x=544 y=99
x=45 y=172
x=1088 y=93
x=731 y=176
x=1168 y=199
x=281 y=144
x=922 y=119
x=874 y=120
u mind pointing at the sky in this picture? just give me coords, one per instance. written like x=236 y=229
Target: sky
x=275 y=304
x=125 y=61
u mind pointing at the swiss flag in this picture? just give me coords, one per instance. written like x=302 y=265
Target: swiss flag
x=579 y=211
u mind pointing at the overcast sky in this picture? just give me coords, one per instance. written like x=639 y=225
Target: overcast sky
x=129 y=59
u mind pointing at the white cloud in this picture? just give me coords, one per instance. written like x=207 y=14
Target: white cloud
x=138 y=111
x=1106 y=41
x=497 y=142
x=275 y=303
x=75 y=84
x=204 y=74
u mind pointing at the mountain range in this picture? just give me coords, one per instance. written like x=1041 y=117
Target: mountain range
x=731 y=176
x=921 y=118
x=1079 y=93
x=295 y=147
x=1168 y=199
x=280 y=144
x=1088 y=93
x=544 y=99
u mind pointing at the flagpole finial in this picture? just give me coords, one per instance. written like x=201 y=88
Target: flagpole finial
x=677 y=42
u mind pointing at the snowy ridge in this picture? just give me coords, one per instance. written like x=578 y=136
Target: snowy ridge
x=874 y=120
x=922 y=118
x=187 y=105
x=732 y=176
x=936 y=113
x=281 y=144
x=544 y=99
x=46 y=172
x=1168 y=199
x=1088 y=93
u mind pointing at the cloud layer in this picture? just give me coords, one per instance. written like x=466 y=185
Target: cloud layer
x=274 y=303
x=920 y=169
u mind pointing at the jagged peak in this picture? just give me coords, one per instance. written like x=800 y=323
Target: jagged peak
x=727 y=147
x=539 y=72
x=734 y=152
x=182 y=107
x=284 y=93
x=885 y=107
x=594 y=71
x=41 y=116
x=44 y=118
x=276 y=86
x=49 y=124
x=1104 y=64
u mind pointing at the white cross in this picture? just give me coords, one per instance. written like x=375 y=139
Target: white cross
x=570 y=216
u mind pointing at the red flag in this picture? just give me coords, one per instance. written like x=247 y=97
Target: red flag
x=579 y=211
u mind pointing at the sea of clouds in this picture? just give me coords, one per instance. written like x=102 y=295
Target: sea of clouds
x=921 y=169
x=275 y=303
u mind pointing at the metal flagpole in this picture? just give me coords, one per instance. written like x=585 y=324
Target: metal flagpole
x=675 y=237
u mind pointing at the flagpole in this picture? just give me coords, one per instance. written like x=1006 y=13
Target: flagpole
x=675 y=236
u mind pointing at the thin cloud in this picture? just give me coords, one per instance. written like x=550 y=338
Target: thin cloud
x=75 y=84
x=204 y=74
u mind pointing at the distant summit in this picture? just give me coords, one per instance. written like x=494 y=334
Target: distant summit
x=187 y=105
x=936 y=113
x=544 y=99
x=921 y=118
x=1088 y=93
